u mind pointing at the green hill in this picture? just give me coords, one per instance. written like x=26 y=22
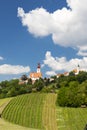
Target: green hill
x=25 y=110
x=36 y=110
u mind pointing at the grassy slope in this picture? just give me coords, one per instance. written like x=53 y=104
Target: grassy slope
x=3 y=103
x=33 y=110
x=5 y=100
x=71 y=118
x=49 y=112
x=26 y=110
x=40 y=110
x=6 y=125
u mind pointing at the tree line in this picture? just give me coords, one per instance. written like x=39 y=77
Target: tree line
x=71 y=89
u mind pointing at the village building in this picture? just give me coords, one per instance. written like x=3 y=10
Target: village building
x=36 y=75
x=77 y=70
x=23 y=80
x=33 y=76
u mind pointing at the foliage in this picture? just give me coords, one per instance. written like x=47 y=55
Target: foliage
x=73 y=96
x=24 y=77
x=39 y=84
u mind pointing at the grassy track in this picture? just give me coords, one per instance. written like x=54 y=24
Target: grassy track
x=8 y=126
x=26 y=110
x=5 y=100
x=71 y=118
x=49 y=112
x=3 y=103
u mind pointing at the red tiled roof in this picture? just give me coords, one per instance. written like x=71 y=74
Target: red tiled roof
x=35 y=75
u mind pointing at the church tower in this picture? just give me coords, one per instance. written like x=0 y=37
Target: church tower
x=78 y=68
x=38 y=68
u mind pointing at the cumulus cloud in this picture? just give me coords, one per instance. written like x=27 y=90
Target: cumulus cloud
x=50 y=73
x=13 y=69
x=68 y=27
x=1 y=58
x=57 y=64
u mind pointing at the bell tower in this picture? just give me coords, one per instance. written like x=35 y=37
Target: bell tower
x=38 y=68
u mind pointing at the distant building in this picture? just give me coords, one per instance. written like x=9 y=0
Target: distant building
x=36 y=75
x=66 y=73
x=62 y=74
x=23 y=80
x=77 y=70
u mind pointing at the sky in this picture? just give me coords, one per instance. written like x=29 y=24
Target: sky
x=50 y=32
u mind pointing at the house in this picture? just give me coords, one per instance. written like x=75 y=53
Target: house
x=66 y=73
x=75 y=71
x=36 y=75
x=23 y=80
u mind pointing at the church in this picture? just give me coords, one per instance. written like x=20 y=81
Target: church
x=36 y=75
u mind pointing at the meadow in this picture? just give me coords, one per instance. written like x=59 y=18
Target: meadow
x=71 y=118
x=25 y=110
x=4 y=125
x=38 y=111
x=33 y=111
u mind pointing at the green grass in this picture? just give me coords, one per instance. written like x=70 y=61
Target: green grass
x=5 y=100
x=9 y=126
x=4 y=125
x=25 y=110
x=38 y=111
x=3 y=103
x=49 y=112
x=71 y=118
x=33 y=111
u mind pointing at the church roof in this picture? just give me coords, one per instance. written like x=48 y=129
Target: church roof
x=75 y=70
x=35 y=75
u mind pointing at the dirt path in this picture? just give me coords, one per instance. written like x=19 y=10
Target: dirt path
x=49 y=112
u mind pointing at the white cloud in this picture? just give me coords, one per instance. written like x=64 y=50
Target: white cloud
x=1 y=58
x=50 y=73
x=68 y=27
x=82 y=51
x=62 y=64
x=13 y=69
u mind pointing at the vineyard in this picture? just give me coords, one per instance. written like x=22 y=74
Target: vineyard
x=38 y=111
x=25 y=110
x=33 y=111
x=49 y=112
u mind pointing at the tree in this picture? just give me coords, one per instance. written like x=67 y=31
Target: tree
x=24 y=77
x=81 y=77
x=39 y=84
x=72 y=96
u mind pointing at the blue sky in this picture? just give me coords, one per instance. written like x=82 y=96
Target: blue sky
x=50 y=32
